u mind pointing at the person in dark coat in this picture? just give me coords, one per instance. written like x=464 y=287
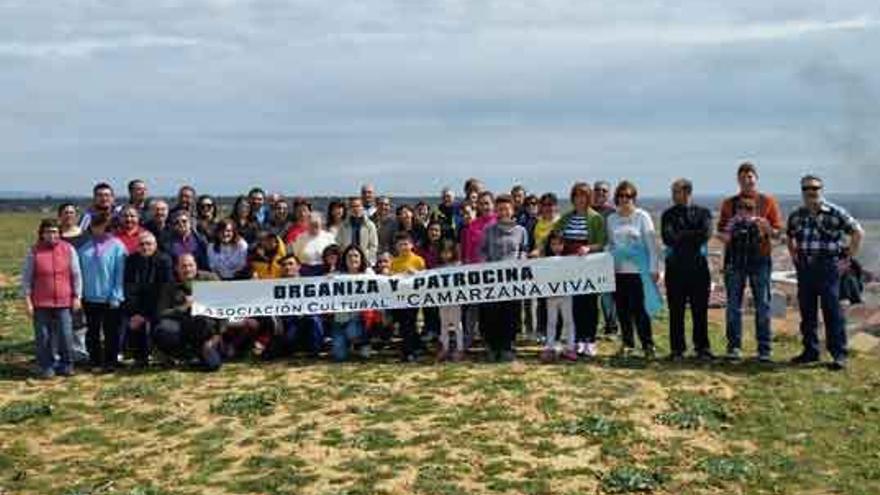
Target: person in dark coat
x=147 y=272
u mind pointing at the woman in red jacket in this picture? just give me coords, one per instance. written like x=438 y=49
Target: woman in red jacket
x=52 y=283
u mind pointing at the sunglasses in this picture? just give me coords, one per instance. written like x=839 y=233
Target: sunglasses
x=625 y=196
x=810 y=188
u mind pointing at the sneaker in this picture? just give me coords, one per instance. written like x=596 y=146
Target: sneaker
x=570 y=355
x=676 y=357
x=581 y=348
x=650 y=353
x=66 y=372
x=733 y=354
x=591 y=349
x=548 y=356
x=765 y=358
x=46 y=374
x=804 y=358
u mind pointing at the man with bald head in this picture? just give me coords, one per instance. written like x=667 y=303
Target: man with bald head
x=147 y=271
x=179 y=334
x=368 y=197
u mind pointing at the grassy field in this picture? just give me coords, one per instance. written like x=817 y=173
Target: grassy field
x=609 y=426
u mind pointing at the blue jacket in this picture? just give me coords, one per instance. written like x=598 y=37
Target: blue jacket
x=102 y=262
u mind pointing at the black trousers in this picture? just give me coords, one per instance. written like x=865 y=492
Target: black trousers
x=586 y=316
x=406 y=325
x=629 y=297
x=688 y=284
x=102 y=321
x=498 y=324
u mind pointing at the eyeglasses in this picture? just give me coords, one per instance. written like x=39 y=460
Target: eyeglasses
x=625 y=196
x=810 y=188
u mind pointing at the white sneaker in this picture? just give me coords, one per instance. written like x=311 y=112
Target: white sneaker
x=581 y=348
x=591 y=349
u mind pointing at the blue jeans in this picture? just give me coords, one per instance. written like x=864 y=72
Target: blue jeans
x=819 y=282
x=304 y=331
x=758 y=278
x=344 y=336
x=54 y=324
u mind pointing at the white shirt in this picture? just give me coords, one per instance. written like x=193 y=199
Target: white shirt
x=628 y=230
x=308 y=248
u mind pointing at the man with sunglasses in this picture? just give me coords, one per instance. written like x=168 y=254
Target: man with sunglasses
x=748 y=244
x=816 y=234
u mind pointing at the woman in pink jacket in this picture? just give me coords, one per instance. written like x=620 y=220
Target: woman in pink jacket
x=52 y=283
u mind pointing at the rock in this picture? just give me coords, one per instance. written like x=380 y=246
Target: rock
x=864 y=342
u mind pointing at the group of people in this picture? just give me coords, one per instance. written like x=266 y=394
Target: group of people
x=124 y=272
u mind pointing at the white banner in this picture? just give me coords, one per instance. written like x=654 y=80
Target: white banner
x=464 y=284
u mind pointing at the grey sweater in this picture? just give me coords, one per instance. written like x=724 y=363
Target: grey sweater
x=504 y=241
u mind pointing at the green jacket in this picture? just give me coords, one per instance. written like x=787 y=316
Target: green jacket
x=595 y=224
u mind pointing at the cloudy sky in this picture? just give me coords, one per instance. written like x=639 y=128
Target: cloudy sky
x=313 y=96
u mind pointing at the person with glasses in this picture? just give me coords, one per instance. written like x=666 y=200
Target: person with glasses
x=633 y=243
x=183 y=239
x=147 y=271
x=817 y=235
x=51 y=284
x=686 y=229
x=748 y=244
x=103 y=201
x=604 y=206
x=583 y=232
x=206 y=217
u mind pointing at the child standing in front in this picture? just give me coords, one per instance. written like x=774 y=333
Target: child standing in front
x=450 y=316
x=407 y=262
x=558 y=308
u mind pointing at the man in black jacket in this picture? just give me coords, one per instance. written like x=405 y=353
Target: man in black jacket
x=686 y=229
x=146 y=272
x=179 y=334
